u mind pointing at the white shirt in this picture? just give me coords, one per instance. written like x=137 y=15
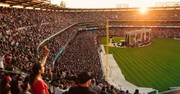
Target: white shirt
x=2 y=62
x=60 y=91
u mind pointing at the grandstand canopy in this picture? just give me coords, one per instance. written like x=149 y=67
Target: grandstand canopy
x=31 y=3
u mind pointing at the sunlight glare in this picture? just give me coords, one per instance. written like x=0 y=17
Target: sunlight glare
x=143 y=10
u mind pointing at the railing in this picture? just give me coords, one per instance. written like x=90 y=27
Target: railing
x=52 y=36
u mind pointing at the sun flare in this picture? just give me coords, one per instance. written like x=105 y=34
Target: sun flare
x=143 y=10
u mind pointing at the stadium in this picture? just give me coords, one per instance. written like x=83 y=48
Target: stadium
x=126 y=51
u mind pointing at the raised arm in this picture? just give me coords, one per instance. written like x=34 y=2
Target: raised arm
x=47 y=51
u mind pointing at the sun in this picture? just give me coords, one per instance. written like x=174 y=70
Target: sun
x=143 y=10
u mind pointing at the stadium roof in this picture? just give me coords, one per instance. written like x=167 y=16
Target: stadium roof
x=31 y=3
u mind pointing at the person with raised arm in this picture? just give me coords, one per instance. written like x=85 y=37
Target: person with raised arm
x=38 y=86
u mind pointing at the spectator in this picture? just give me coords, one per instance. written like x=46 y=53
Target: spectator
x=60 y=90
x=103 y=90
x=112 y=90
x=25 y=88
x=83 y=87
x=5 y=82
x=5 y=90
x=1 y=62
x=127 y=92
x=136 y=91
x=38 y=85
x=15 y=87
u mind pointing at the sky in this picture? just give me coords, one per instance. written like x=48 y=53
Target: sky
x=108 y=3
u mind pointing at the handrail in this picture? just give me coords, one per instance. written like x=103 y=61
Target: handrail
x=10 y=71
x=62 y=50
x=52 y=36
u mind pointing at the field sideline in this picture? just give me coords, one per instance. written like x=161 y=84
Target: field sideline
x=156 y=66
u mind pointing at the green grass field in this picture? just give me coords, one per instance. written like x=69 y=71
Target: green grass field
x=156 y=66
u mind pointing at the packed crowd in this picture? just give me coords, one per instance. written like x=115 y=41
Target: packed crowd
x=82 y=55
x=22 y=30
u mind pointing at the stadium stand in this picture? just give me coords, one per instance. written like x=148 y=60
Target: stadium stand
x=21 y=31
